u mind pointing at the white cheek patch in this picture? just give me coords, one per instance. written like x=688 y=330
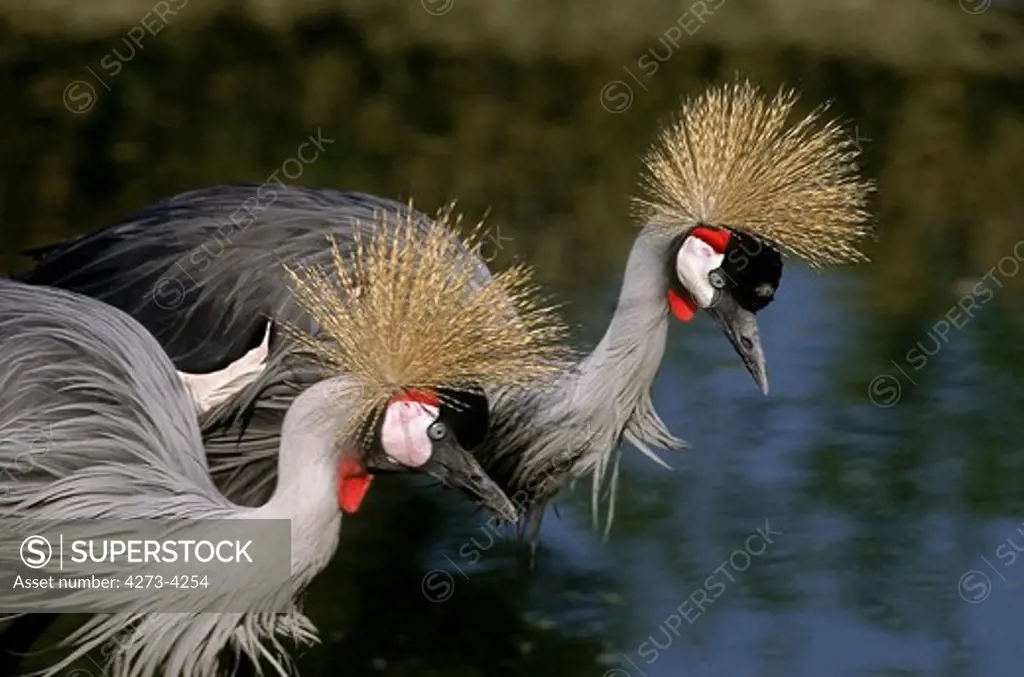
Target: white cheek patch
x=696 y=258
x=403 y=434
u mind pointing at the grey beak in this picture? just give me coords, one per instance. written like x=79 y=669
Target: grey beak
x=740 y=326
x=458 y=469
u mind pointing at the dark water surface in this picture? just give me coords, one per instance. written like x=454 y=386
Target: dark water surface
x=864 y=519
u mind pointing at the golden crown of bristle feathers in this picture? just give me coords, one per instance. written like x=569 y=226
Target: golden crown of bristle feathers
x=731 y=160
x=407 y=311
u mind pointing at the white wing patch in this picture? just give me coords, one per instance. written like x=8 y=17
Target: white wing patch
x=208 y=390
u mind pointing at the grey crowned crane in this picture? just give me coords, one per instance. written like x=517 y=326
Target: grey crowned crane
x=729 y=185
x=402 y=376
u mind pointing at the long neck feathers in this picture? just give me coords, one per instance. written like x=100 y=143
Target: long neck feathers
x=196 y=643
x=557 y=433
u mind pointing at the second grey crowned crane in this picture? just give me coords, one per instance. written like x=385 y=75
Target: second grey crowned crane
x=126 y=443
x=729 y=185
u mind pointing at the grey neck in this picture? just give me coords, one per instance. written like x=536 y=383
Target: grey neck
x=625 y=361
x=577 y=424
x=306 y=492
x=611 y=387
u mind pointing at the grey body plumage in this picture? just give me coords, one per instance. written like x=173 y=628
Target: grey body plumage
x=94 y=423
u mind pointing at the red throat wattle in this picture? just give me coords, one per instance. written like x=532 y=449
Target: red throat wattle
x=683 y=306
x=353 y=483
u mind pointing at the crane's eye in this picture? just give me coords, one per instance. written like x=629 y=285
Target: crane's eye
x=437 y=431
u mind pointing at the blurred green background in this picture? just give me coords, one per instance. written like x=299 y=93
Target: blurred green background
x=537 y=113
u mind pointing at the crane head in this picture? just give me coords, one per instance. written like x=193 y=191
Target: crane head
x=735 y=179
x=731 y=276
x=420 y=431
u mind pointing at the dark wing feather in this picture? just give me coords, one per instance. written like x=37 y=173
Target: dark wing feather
x=202 y=276
x=41 y=252
x=203 y=270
